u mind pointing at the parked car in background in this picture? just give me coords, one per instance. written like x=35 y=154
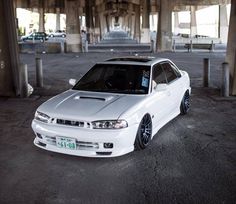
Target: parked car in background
x=116 y=107
x=58 y=33
x=41 y=36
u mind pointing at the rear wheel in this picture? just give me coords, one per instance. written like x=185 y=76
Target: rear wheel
x=144 y=133
x=185 y=103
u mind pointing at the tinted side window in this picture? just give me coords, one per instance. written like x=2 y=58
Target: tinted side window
x=170 y=73
x=158 y=74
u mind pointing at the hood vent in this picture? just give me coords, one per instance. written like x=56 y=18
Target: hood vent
x=94 y=98
x=90 y=97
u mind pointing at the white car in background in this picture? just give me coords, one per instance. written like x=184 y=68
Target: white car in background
x=116 y=107
x=58 y=33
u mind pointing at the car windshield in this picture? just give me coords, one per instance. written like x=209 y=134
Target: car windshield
x=116 y=78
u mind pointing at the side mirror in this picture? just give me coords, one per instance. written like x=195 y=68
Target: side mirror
x=72 y=82
x=161 y=87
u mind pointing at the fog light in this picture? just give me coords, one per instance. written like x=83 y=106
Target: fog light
x=108 y=145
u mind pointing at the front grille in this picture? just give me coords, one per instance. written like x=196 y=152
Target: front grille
x=70 y=123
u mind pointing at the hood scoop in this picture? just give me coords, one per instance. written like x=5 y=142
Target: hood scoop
x=93 y=98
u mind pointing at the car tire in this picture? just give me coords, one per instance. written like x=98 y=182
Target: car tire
x=51 y=36
x=144 y=133
x=185 y=103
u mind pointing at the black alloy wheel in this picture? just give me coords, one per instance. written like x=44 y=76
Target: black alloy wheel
x=144 y=133
x=185 y=103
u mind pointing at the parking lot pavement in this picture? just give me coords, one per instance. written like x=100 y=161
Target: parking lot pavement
x=191 y=160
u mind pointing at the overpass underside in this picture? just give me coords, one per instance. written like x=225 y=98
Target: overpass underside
x=100 y=16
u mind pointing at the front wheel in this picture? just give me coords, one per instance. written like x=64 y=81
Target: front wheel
x=185 y=103
x=144 y=133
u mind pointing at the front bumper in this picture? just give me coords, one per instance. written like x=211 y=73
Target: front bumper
x=89 y=142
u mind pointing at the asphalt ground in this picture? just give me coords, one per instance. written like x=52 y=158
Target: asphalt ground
x=192 y=159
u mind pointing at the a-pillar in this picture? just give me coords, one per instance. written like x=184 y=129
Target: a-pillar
x=73 y=38
x=164 y=33
x=137 y=23
x=231 y=48
x=223 y=23
x=176 y=23
x=9 y=56
x=58 y=22
x=145 y=36
x=193 y=21
x=41 y=20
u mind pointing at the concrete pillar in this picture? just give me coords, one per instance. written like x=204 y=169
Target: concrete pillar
x=129 y=19
x=103 y=28
x=126 y=22
x=107 y=23
x=137 y=23
x=9 y=57
x=145 y=36
x=96 y=27
x=89 y=20
x=223 y=23
x=231 y=48
x=133 y=26
x=58 y=22
x=73 y=38
x=164 y=33
x=193 y=21
x=41 y=20
x=97 y=34
x=176 y=23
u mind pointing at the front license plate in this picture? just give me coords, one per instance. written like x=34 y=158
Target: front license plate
x=65 y=142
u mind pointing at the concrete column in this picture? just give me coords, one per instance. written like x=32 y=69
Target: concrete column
x=130 y=19
x=145 y=35
x=73 y=38
x=103 y=28
x=231 y=48
x=126 y=22
x=137 y=23
x=164 y=33
x=193 y=21
x=133 y=26
x=58 y=22
x=97 y=28
x=97 y=34
x=41 y=20
x=89 y=20
x=223 y=23
x=176 y=23
x=9 y=57
x=107 y=23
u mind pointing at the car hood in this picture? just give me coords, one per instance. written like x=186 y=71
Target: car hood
x=89 y=106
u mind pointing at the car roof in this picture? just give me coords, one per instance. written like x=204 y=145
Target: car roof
x=135 y=60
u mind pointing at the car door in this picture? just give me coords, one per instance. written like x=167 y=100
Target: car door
x=160 y=99
x=174 y=86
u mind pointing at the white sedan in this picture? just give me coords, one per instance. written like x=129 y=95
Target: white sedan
x=116 y=107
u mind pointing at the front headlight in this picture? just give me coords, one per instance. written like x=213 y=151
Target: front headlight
x=41 y=117
x=109 y=124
